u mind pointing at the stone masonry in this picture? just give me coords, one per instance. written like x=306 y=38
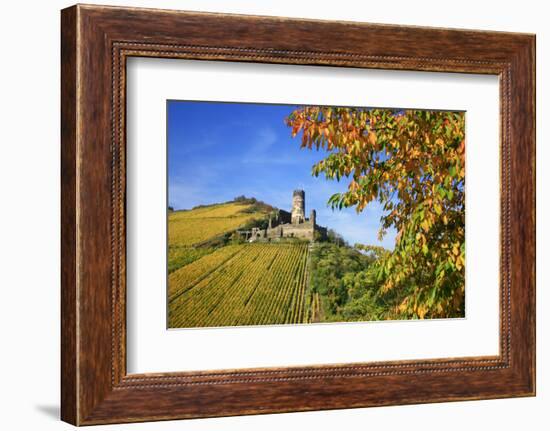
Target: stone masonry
x=293 y=225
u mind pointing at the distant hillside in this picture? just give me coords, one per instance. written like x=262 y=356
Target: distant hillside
x=193 y=227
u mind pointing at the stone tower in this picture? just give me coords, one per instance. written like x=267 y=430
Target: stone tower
x=298 y=214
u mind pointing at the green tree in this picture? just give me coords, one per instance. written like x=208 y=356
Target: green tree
x=412 y=162
x=335 y=275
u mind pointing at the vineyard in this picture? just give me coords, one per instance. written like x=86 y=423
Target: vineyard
x=244 y=284
x=187 y=228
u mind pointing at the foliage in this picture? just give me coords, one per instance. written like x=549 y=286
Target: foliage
x=254 y=205
x=376 y=252
x=365 y=307
x=333 y=276
x=335 y=238
x=412 y=162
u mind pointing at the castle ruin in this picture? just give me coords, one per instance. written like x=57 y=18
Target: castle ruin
x=283 y=224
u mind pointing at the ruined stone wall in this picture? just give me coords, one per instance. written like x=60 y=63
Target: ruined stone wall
x=290 y=225
x=302 y=231
x=284 y=217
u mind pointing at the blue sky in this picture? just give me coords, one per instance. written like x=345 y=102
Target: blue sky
x=217 y=151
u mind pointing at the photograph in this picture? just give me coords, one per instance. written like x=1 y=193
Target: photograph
x=300 y=214
x=305 y=212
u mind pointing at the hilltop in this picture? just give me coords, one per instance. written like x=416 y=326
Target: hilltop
x=194 y=227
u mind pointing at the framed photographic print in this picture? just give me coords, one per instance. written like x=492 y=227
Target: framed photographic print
x=258 y=217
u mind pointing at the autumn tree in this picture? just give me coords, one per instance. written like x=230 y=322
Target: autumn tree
x=413 y=163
